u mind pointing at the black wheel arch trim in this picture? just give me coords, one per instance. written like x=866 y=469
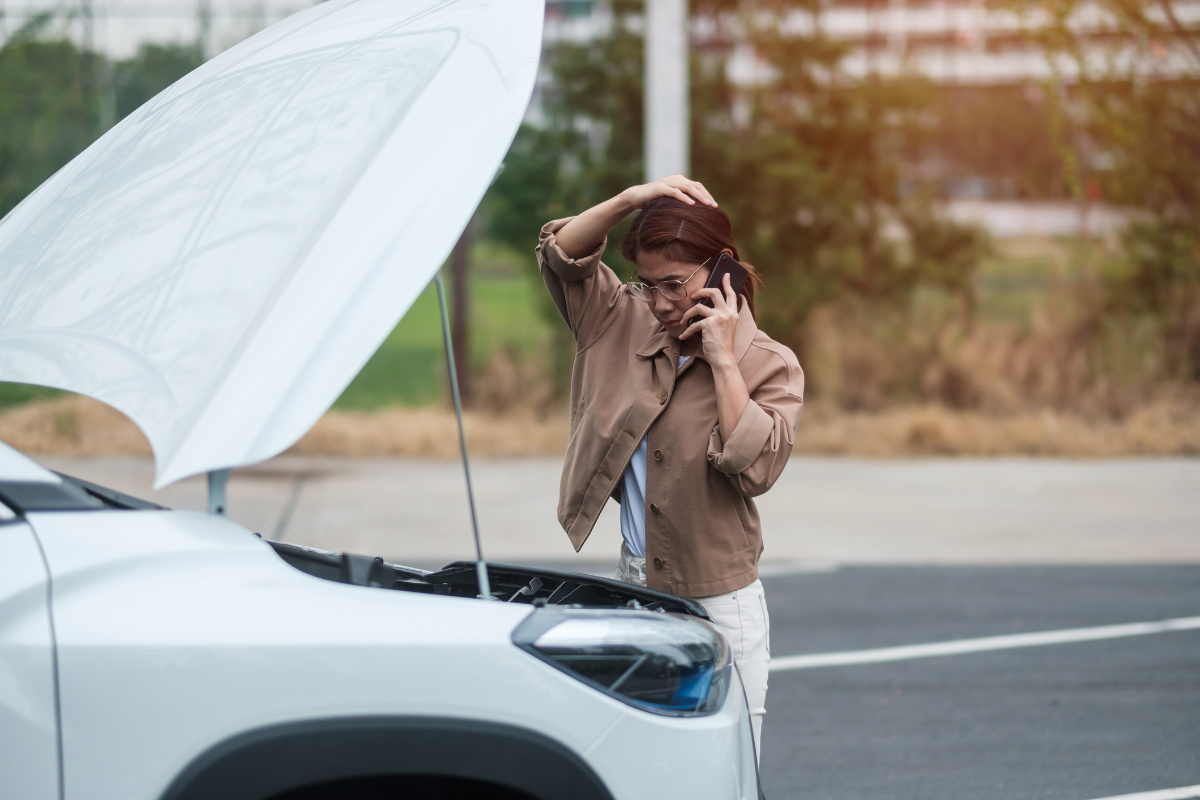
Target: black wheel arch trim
x=267 y=761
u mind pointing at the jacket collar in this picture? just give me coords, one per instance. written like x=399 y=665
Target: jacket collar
x=742 y=337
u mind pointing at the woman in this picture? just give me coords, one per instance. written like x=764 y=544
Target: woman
x=683 y=424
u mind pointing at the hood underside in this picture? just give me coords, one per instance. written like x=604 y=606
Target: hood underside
x=222 y=263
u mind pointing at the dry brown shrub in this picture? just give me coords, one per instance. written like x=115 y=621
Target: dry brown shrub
x=851 y=367
x=71 y=425
x=1069 y=358
x=1168 y=426
x=80 y=426
x=433 y=433
x=508 y=383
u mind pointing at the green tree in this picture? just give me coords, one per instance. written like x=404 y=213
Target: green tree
x=43 y=120
x=1001 y=134
x=589 y=146
x=52 y=96
x=152 y=69
x=821 y=168
x=813 y=165
x=1130 y=128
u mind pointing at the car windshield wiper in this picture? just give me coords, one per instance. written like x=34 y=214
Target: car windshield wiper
x=111 y=497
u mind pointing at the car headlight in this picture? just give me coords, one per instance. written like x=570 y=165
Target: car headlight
x=659 y=662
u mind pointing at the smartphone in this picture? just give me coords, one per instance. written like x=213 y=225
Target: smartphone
x=726 y=265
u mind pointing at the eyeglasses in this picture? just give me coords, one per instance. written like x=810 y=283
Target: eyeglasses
x=672 y=290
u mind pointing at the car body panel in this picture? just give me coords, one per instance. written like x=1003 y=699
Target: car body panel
x=665 y=752
x=28 y=719
x=220 y=264
x=178 y=630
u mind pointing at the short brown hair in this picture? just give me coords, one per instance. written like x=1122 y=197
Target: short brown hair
x=692 y=234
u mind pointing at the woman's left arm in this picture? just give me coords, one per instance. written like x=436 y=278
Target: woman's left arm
x=732 y=396
x=753 y=454
x=756 y=429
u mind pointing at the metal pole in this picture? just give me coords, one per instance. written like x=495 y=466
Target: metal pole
x=485 y=587
x=666 y=89
x=88 y=67
x=204 y=17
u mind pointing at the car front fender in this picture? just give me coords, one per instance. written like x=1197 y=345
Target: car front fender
x=280 y=758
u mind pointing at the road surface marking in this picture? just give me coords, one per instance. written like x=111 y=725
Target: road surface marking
x=1182 y=793
x=785 y=568
x=984 y=644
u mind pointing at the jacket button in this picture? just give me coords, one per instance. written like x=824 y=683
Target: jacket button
x=658 y=455
x=658 y=563
x=654 y=510
x=662 y=399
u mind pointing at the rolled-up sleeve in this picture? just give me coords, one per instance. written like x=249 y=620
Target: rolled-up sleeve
x=584 y=290
x=761 y=442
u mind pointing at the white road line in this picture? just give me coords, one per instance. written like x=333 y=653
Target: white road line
x=1182 y=793
x=784 y=568
x=984 y=644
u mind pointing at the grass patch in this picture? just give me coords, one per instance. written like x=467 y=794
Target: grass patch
x=16 y=394
x=410 y=368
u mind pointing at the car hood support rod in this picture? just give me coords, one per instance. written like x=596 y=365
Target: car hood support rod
x=485 y=588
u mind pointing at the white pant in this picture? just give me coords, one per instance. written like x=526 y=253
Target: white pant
x=742 y=616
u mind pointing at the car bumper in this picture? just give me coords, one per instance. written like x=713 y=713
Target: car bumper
x=648 y=755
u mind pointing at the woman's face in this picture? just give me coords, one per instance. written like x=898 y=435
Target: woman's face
x=653 y=269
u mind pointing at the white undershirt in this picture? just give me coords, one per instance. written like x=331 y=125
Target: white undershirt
x=633 y=497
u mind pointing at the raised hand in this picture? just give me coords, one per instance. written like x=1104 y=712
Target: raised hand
x=676 y=186
x=581 y=235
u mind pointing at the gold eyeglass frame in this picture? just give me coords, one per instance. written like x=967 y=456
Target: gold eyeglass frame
x=645 y=292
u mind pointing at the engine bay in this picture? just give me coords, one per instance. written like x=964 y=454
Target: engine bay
x=509 y=583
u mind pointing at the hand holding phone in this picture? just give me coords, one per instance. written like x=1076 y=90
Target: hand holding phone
x=726 y=265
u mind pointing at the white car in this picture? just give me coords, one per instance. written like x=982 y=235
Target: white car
x=218 y=267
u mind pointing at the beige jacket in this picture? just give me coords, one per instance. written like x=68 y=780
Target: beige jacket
x=703 y=535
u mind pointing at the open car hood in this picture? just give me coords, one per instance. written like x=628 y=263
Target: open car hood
x=222 y=263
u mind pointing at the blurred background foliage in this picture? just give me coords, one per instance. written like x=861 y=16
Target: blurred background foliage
x=834 y=182
x=55 y=99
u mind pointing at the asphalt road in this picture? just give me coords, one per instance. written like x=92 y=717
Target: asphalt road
x=1060 y=722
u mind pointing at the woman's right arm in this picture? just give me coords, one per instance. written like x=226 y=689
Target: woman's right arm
x=585 y=291
x=581 y=235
